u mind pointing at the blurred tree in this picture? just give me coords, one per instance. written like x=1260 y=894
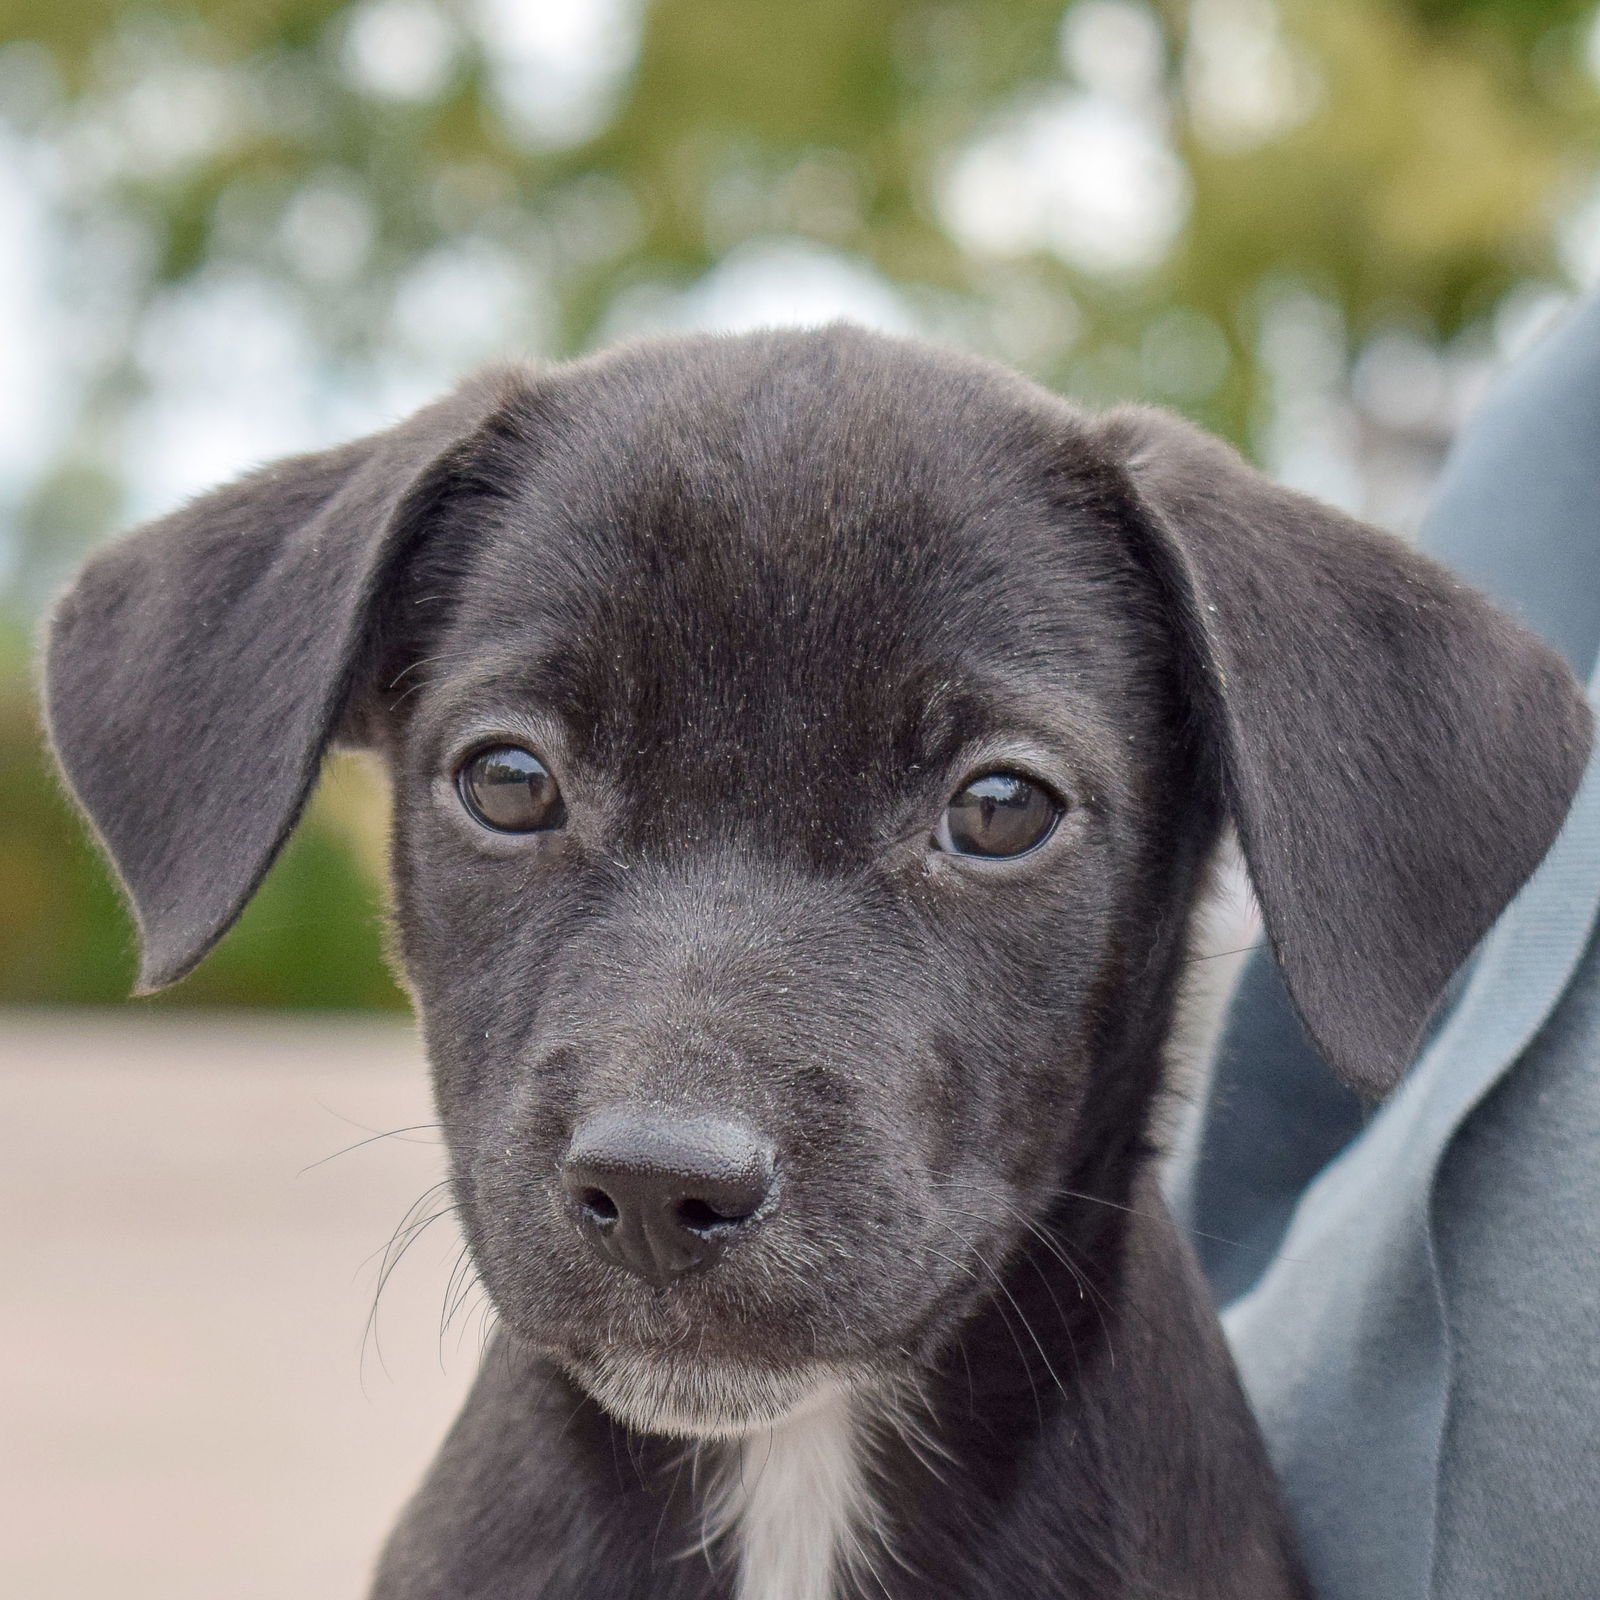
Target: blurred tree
x=1043 y=183
x=1282 y=216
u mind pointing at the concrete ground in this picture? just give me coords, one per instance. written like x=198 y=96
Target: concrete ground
x=190 y=1406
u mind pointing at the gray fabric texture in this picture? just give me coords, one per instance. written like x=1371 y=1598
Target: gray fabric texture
x=1413 y=1296
x=1344 y=1342
x=1517 y=1236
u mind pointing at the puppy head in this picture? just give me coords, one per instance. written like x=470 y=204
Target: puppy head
x=805 y=748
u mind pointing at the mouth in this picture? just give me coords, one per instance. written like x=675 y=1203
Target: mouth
x=702 y=1398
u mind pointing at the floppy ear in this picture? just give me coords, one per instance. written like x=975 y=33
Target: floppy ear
x=1396 y=754
x=196 y=670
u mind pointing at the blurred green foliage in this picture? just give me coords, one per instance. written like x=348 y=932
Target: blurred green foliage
x=1406 y=163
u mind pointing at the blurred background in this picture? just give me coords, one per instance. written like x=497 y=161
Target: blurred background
x=231 y=229
x=235 y=229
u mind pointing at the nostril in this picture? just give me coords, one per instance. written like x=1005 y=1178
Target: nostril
x=701 y=1215
x=598 y=1204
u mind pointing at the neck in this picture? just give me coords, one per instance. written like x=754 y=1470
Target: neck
x=795 y=1504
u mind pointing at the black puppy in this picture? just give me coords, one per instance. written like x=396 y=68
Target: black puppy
x=807 y=750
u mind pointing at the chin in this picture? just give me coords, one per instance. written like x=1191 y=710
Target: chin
x=720 y=1398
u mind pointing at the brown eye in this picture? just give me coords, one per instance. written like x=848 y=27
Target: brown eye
x=999 y=814
x=511 y=790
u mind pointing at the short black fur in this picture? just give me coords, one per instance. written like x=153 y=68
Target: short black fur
x=763 y=605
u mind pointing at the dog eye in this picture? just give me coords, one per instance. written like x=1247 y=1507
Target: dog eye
x=999 y=814
x=510 y=790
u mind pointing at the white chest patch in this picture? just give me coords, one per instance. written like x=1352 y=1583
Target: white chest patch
x=796 y=1505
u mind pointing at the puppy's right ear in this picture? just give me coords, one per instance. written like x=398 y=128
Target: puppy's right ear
x=196 y=670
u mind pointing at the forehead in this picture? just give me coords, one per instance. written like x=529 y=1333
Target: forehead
x=808 y=545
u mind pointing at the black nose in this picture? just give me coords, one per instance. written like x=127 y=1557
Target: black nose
x=661 y=1193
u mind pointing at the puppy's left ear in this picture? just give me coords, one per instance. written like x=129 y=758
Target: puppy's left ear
x=197 y=669
x=1396 y=754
